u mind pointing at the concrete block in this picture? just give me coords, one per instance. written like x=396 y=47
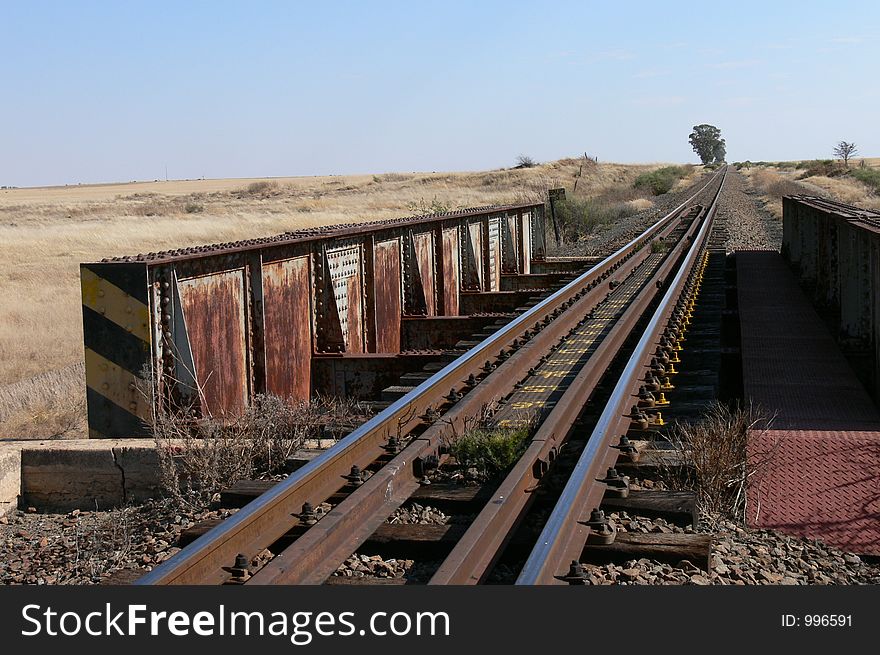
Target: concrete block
x=140 y=470
x=10 y=478
x=60 y=480
x=67 y=474
x=62 y=475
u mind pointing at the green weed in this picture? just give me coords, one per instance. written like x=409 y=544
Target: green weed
x=491 y=451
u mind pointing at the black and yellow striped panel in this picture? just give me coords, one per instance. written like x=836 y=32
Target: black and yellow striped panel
x=117 y=336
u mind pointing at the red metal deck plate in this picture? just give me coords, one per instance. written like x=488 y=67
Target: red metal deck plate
x=820 y=478
x=818 y=484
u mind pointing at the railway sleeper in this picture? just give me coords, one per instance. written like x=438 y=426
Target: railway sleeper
x=427 y=542
x=442 y=495
x=675 y=507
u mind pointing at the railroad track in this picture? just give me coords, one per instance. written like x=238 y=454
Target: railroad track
x=541 y=368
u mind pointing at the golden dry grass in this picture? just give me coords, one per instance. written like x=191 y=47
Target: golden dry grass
x=846 y=189
x=639 y=204
x=48 y=405
x=772 y=183
x=873 y=162
x=46 y=232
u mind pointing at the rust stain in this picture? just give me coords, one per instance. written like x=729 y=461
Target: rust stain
x=213 y=307
x=475 y=231
x=288 y=341
x=451 y=272
x=537 y=247
x=424 y=247
x=495 y=254
x=510 y=251
x=387 y=291
x=355 y=315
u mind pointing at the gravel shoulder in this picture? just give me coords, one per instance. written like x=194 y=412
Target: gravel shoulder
x=88 y=548
x=750 y=226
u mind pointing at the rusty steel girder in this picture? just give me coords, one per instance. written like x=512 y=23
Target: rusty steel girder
x=206 y=329
x=835 y=250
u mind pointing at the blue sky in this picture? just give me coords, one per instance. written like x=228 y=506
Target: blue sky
x=96 y=91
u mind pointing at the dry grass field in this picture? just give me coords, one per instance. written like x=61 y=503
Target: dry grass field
x=774 y=181
x=46 y=232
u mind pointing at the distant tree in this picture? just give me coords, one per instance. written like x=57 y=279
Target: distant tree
x=707 y=143
x=844 y=150
x=524 y=161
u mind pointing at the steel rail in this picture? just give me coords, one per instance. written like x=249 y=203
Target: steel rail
x=315 y=555
x=565 y=533
x=272 y=515
x=479 y=548
x=310 y=559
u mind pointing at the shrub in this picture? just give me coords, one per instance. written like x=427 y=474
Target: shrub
x=578 y=216
x=780 y=188
x=639 y=205
x=261 y=188
x=717 y=464
x=659 y=246
x=198 y=458
x=818 y=168
x=154 y=208
x=491 y=451
x=581 y=216
x=102 y=541
x=524 y=161
x=390 y=177
x=395 y=177
x=662 y=180
x=423 y=207
x=193 y=208
x=868 y=176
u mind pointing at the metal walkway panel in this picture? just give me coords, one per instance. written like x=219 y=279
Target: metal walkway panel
x=819 y=484
x=818 y=468
x=791 y=363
